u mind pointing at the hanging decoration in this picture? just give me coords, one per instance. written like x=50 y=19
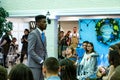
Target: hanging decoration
x=107 y=30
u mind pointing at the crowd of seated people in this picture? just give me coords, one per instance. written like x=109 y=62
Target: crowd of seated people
x=66 y=69
x=52 y=70
x=73 y=66
x=110 y=72
x=87 y=68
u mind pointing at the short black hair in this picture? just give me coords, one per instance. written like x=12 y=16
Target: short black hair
x=86 y=42
x=39 y=17
x=14 y=38
x=52 y=65
x=27 y=30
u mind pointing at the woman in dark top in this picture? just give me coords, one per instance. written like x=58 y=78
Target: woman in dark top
x=5 y=44
x=67 y=70
x=24 y=44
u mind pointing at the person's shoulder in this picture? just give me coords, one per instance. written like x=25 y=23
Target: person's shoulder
x=54 y=78
x=4 y=36
x=93 y=53
x=115 y=74
x=33 y=34
x=117 y=68
x=111 y=66
x=23 y=36
x=33 y=31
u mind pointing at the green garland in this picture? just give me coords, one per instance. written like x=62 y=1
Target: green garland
x=114 y=35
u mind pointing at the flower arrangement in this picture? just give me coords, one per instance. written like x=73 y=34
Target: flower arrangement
x=114 y=35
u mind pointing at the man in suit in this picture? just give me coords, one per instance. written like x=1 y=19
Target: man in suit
x=37 y=51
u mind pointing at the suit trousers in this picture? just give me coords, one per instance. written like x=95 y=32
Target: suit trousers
x=37 y=73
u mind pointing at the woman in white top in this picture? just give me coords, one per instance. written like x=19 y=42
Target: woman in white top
x=89 y=62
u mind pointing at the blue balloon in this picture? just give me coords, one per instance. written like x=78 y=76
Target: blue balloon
x=112 y=36
x=99 y=37
x=107 y=21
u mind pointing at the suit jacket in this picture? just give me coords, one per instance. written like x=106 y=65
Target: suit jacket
x=36 y=49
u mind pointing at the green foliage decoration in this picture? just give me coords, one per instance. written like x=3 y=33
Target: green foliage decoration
x=4 y=24
x=113 y=36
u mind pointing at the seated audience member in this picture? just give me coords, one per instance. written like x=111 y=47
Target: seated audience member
x=80 y=53
x=51 y=68
x=114 y=59
x=3 y=73
x=81 y=50
x=20 y=72
x=70 y=54
x=113 y=47
x=89 y=62
x=111 y=67
x=118 y=44
x=67 y=70
x=102 y=71
x=12 y=53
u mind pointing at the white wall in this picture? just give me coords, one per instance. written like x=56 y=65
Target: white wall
x=58 y=4
x=19 y=24
x=51 y=34
x=60 y=7
x=68 y=25
x=28 y=8
x=18 y=29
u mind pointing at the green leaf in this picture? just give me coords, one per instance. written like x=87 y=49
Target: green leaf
x=4 y=25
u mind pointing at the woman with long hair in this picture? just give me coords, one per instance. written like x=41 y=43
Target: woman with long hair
x=114 y=60
x=20 y=72
x=67 y=70
x=89 y=62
